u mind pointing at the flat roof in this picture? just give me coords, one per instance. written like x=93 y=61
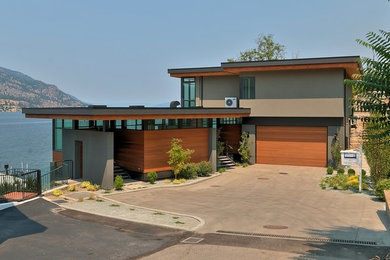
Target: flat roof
x=126 y=113
x=349 y=63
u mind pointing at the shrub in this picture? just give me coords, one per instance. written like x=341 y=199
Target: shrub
x=118 y=182
x=167 y=181
x=204 y=169
x=189 y=171
x=335 y=150
x=382 y=185
x=93 y=187
x=221 y=170
x=340 y=171
x=57 y=193
x=335 y=182
x=152 y=177
x=182 y=180
x=178 y=157
x=85 y=184
x=72 y=187
x=329 y=170
x=351 y=172
x=176 y=181
x=245 y=164
x=377 y=151
x=244 y=149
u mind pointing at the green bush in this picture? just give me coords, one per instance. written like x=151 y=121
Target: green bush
x=178 y=157
x=377 y=151
x=118 y=182
x=364 y=172
x=93 y=187
x=351 y=172
x=335 y=182
x=204 y=169
x=72 y=187
x=221 y=170
x=382 y=185
x=57 y=193
x=335 y=150
x=244 y=149
x=329 y=170
x=152 y=177
x=245 y=165
x=340 y=171
x=85 y=184
x=189 y=171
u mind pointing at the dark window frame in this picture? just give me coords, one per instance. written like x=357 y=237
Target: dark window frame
x=247 y=82
x=187 y=100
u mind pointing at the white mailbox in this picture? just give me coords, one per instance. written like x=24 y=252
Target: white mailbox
x=350 y=157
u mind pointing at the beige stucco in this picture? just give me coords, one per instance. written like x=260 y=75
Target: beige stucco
x=309 y=93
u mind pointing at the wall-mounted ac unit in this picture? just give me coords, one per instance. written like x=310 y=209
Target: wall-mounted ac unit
x=231 y=102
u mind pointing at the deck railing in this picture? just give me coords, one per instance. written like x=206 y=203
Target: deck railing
x=19 y=184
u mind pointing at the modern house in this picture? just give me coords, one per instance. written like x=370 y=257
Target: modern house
x=292 y=110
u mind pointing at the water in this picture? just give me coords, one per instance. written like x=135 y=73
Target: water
x=25 y=140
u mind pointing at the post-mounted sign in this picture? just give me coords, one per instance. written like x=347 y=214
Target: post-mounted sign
x=350 y=157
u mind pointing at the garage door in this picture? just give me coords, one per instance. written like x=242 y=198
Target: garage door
x=291 y=145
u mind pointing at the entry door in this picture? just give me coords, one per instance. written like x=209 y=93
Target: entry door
x=78 y=154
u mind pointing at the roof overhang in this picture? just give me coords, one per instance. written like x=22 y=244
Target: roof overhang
x=350 y=64
x=111 y=113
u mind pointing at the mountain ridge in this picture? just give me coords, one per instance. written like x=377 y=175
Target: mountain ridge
x=19 y=90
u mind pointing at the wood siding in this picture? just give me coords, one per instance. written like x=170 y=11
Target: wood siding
x=291 y=145
x=231 y=134
x=57 y=156
x=157 y=144
x=145 y=151
x=129 y=149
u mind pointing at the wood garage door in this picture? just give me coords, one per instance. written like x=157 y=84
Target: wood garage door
x=291 y=145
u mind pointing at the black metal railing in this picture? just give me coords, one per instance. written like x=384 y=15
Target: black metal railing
x=19 y=184
x=60 y=172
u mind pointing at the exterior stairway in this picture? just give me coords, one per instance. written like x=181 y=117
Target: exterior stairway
x=225 y=162
x=120 y=171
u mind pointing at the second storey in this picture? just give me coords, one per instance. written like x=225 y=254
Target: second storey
x=283 y=88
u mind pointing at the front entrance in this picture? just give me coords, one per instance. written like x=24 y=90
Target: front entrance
x=78 y=156
x=292 y=145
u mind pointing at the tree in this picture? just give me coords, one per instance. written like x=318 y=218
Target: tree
x=372 y=88
x=266 y=49
x=178 y=157
x=244 y=149
x=377 y=152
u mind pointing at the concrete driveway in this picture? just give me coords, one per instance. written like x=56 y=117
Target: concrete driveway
x=270 y=199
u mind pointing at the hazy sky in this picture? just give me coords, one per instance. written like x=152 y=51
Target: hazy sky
x=118 y=52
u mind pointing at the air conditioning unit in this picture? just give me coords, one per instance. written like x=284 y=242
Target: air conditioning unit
x=231 y=102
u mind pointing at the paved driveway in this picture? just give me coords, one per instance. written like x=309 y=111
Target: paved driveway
x=33 y=231
x=250 y=199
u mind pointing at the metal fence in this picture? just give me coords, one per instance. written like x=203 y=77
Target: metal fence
x=58 y=175
x=19 y=184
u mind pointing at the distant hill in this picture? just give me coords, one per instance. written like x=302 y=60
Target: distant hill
x=18 y=90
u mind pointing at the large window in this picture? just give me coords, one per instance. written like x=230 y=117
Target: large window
x=57 y=134
x=188 y=92
x=247 y=88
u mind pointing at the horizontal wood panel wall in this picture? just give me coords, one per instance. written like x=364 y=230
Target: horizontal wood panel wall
x=292 y=145
x=231 y=134
x=157 y=144
x=129 y=149
x=57 y=156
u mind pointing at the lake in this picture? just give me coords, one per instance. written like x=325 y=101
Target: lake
x=25 y=140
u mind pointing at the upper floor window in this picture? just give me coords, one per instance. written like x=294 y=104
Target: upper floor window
x=247 y=88
x=188 y=92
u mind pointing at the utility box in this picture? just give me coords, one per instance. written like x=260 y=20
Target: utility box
x=350 y=157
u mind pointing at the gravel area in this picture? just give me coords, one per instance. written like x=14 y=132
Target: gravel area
x=114 y=209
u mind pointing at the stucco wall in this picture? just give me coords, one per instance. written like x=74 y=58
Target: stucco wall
x=98 y=154
x=314 y=93
x=215 y=89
